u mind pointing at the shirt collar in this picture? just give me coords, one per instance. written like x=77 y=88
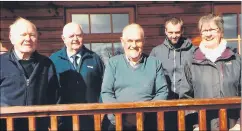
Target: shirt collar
x=137 y=63
x=16 y=56
x=77 y=54
x=18 y=59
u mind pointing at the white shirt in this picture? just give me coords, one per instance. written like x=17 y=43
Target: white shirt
x=71 y=58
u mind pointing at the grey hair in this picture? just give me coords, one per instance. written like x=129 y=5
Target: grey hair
x=218 y=20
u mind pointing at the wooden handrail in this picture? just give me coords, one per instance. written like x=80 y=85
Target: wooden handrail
x=151 y=106
x=118 y=109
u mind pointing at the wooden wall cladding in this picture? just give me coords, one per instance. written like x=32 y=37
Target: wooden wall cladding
x=31 y=12
x=49 y=17
x=49 y=22
x=181 y=8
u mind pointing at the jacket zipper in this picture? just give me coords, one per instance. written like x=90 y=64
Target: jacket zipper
x=221 y=80
x=221 y=75
x=174 y=71
x=27 y=82
x=26 y=91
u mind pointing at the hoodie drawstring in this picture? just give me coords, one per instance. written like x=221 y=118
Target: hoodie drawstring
x=180 y=56
x=169 y=53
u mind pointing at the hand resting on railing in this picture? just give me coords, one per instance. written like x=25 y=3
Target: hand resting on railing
x=235 y=128
x=196 y=129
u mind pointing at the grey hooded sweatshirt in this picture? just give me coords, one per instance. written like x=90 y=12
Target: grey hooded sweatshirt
x=173 y=58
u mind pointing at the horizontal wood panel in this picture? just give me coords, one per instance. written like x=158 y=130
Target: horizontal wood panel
x=220 y=9
x=160 y=20
x=184 y=8
x=41 y=45
x=160 y=30
x=41 y=22
x=153 y=41
x=23 y=5
x=80 y=3
x=156 y=40
x=31 y=12
x=101 y=3
x=152 y=31
x=151 y=20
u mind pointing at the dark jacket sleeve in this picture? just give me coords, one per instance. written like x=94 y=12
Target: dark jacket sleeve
x=161 y=90
x=186 y=88
x=53 y=86
x=101 y=73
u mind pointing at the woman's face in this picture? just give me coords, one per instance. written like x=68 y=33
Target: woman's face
x=211 y=34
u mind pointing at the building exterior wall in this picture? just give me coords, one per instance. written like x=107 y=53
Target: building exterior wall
x=50 y=17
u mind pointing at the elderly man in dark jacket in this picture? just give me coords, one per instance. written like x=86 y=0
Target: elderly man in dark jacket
x=80 y=73
x=27 y=78
x=173 y=52
x=214 y=71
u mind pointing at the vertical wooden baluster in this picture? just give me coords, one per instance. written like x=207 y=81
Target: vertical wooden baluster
x=53 y=121
x=10 y=124
x=223 y=120
x=240 y=119
x=32 y=126
x=97 y=122
x=118 y=119
x=160 y=121
x=139 y=121
x=181 y=120
x=75 y=123
x=202 y=120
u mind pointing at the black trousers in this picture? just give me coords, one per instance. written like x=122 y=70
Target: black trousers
x=86 y=123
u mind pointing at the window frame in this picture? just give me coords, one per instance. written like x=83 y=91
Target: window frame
x=101 y=37
x=231 y=9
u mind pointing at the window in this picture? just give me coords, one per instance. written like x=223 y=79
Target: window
x=232 y=24
x=102 y=28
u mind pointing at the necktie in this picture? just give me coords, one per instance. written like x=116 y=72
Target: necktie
x=75 y=62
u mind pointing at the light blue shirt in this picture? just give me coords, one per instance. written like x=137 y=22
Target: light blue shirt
x=71 y=58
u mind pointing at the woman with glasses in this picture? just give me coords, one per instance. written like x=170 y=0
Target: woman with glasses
x=214 y=71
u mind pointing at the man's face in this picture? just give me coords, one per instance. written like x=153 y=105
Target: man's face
x=211 y=35
x=173 y=32
x=72 y=37
x=24 y=37
x=132 y=42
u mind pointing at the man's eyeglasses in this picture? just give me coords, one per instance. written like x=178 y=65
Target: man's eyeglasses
x=209 y=30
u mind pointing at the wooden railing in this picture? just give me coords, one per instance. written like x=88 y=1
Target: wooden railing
x=74 y=110
x=239 y=43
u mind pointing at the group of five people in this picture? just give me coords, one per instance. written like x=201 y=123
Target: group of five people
x=74 y=74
